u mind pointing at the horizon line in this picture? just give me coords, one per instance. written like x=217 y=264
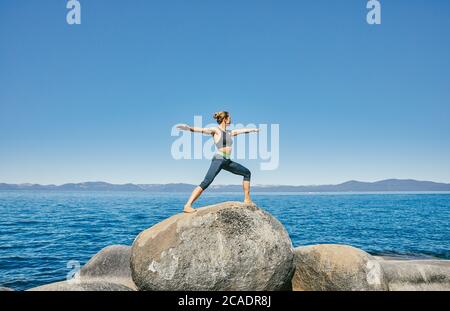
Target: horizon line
x=253 y=185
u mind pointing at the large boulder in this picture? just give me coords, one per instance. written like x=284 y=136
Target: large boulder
x=331 y=267
x=227 y=246
x=111 y=264
x=417 y=275
x=108 y=270
x=81 y=286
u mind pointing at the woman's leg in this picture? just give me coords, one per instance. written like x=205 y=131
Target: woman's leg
x=246 y=187
x=241 y=170
x=194 y=196
x=214 y=169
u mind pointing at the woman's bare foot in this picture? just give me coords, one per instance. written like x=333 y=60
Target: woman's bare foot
x=249 y=202
x=189 y=209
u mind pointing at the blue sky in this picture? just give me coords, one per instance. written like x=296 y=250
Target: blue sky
x=97 y=101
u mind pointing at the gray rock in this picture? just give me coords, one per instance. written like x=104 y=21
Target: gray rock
x=111 y=264
x=6 y=289
x=332 y=267
x=108 y=270
x=84 y=285
x=417 y=275
x=227 y=246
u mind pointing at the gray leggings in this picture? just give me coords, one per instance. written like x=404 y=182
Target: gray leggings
x=218 y=163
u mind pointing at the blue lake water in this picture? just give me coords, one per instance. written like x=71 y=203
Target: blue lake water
x=41 y=231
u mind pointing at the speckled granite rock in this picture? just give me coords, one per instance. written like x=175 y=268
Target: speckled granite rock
x=332 y=267
x=417 y=275
x=108 y=270
x=85 y=285
x=227 y=246
x=112 y=264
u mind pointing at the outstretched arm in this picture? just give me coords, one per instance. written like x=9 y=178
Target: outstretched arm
x=204 y=130
x=243 y=131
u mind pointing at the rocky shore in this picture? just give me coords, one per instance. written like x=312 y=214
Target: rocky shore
x=237 y=246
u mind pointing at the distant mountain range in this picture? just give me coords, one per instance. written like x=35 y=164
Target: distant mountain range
x=349 y=186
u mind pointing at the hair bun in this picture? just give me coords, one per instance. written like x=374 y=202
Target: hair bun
x=220 y=116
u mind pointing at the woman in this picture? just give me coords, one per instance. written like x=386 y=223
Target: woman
x=221 y=160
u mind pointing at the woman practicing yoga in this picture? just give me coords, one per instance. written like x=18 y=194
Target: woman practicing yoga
x=221 y=159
